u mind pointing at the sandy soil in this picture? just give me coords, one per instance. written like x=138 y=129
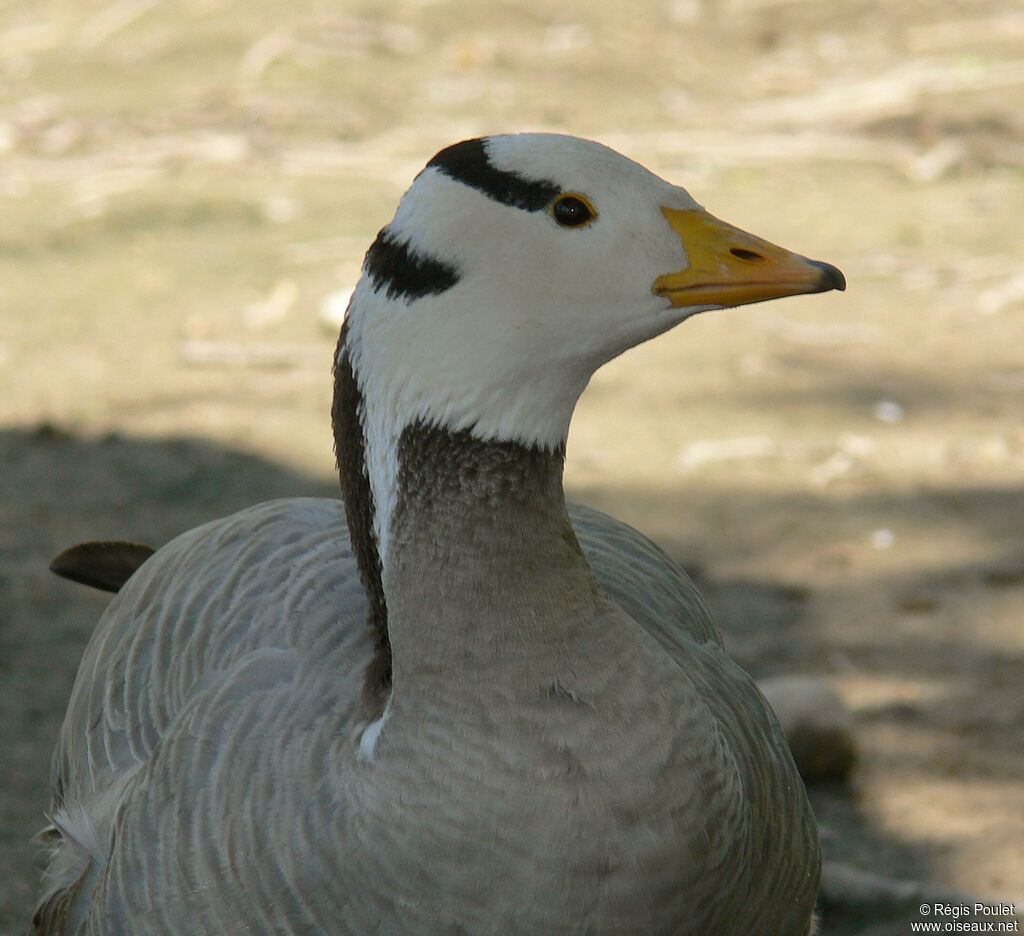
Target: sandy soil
x=184 y=187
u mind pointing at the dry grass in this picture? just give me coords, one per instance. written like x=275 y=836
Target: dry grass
x=183 y=184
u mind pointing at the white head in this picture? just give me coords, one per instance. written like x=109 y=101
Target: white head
x=515 y=266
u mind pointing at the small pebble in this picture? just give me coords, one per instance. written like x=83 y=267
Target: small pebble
x=888 y=411
x=882 y=539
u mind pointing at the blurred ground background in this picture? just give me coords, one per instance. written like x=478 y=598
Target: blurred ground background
x=185 y=186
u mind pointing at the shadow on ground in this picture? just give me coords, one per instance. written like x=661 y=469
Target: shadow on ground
x=60 y=488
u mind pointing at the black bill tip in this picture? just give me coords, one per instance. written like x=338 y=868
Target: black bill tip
x=831 y=276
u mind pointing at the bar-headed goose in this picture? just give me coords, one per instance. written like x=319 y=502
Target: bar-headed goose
x=451 y=706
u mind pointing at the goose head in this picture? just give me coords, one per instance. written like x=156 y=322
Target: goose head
x=514 y=267
x=517 y=265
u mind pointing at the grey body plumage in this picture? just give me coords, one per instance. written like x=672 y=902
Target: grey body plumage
x=227 y=725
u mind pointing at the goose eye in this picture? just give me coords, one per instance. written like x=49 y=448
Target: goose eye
x=572 y=211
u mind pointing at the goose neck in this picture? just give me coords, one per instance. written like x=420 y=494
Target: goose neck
x=484 y=571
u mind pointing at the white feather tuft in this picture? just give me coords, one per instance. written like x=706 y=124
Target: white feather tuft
x=76 y=826
x=368 y=741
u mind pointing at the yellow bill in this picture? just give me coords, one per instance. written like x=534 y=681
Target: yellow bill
x=729 y=267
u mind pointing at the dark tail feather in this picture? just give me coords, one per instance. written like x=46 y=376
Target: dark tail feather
x=106 y=566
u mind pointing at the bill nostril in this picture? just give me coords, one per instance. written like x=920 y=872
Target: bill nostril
x=741 y=253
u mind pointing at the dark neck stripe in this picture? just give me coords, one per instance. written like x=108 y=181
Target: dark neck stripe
x=467 y=162
x=438 y=463
x=357 y=495
x=406 y=273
